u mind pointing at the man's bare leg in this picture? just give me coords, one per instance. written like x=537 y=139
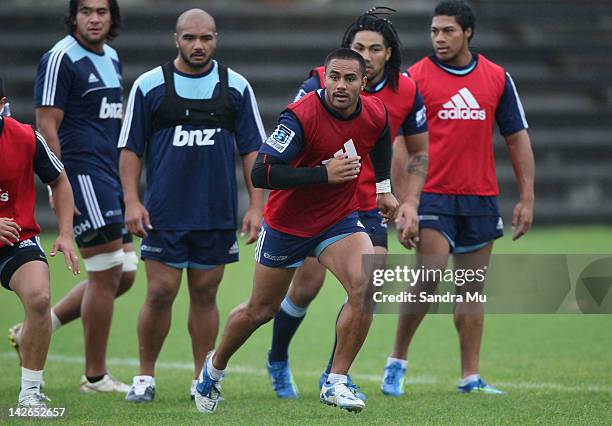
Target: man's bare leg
x=344 y=259
x=432 y=252
x=203 y=320
x=269 y=287
x=69 y=307
x=97 y=308
x=469 y=316
x=163 y=283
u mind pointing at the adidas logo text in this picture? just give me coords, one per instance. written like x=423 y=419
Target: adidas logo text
x=462 y=106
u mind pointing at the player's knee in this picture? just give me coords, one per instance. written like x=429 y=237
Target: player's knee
x=356 y=285
x=39 y=303
x=205 y=295
x=303 y=295
x=126 y=282
x=262 y=314
x=160 y=298
x=359 y=295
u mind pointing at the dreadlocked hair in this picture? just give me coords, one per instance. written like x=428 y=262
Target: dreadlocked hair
x=377 y=20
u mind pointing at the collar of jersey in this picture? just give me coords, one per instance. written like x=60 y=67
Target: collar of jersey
x=379 y=86
x=204 y=74
x=456 y=71
x=87 y=48
x=321 y=96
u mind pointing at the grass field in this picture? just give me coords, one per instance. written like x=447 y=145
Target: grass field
x=557 y=369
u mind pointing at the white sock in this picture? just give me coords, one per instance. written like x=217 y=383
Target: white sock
x=30 y=380
x=402 y=362
x=215 y=374
x=334 y=378
x=468 y=379
x=55 y=322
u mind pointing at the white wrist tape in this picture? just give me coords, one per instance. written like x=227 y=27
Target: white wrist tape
x=383 y=187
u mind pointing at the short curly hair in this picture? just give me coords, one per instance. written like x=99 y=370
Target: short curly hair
x=460 y=10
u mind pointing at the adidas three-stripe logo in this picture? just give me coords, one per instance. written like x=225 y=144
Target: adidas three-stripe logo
x=462 y=106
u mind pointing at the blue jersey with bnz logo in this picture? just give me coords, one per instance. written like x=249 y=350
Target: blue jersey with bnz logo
x=87 y=87
x=190 y=169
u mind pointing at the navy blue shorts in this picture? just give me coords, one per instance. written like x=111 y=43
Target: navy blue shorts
x=468 y=222
x=281 y=250
x=191 y=249
x=11 y=258
x=99 y=201
x=374 y=224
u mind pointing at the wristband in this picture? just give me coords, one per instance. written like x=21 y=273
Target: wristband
x=383 y=187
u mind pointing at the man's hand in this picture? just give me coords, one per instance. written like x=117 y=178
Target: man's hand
x=9 y=231
x=522 y=218
x=64 y=244
x=251 y=223
x=137 y=219
x=340 y=170
x=407 y=222
x=387 y=204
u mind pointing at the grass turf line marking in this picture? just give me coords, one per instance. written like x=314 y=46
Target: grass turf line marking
x=417 y=380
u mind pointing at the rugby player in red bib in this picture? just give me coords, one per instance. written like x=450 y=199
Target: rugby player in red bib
x=465 y=95
x=373 y=36
x=23 y=264
x=312 y=163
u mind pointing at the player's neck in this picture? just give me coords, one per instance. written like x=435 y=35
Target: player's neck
x=462 y=59
x=94 y=47
x=185 y=68
x=371 y=84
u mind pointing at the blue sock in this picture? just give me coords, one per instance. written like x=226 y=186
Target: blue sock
x=331 y=357
x=286 y=323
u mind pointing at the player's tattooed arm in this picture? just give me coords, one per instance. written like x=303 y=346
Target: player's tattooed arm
x=418 y=165
x=410 y=165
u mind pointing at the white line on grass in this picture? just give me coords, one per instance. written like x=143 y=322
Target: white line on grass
x=418 y=380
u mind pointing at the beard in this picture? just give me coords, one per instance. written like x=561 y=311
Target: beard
x=192 y=64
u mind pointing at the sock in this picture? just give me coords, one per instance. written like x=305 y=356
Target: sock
x=331 y=357
x=55 y=322
x=30 y=380
x=286 y=323
x=216 y=375
x=468 y=379
x=402 y=362
x=334 y=378
x=94 y=379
